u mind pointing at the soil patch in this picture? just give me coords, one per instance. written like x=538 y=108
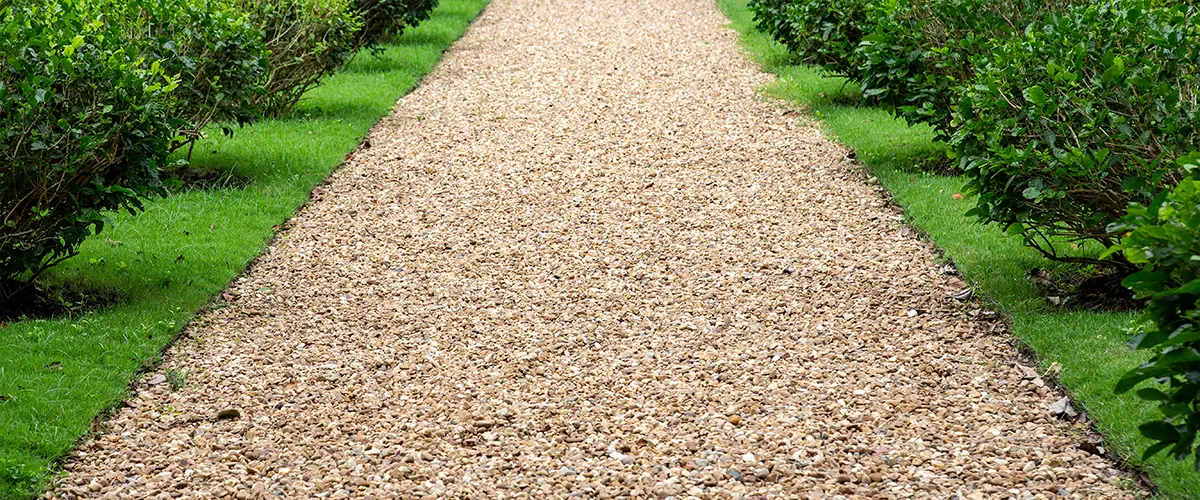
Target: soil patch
x=1084 y=290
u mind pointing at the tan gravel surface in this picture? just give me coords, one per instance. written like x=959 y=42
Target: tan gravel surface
x=585 y=258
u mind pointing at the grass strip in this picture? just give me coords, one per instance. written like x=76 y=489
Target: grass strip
x=1088 y=346
x=57 y=375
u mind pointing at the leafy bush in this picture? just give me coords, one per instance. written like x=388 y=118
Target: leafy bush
x=82 y=131
x=1165 y=238
x=384 y=19
x=824 y=33
x=307 y=39
x=1068 y=124
x=773 y=18
x=218 y=55
x=920 y=51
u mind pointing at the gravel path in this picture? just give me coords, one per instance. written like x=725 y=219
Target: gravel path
x=584 y=257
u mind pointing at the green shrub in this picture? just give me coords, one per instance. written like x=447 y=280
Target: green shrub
x=919 y=52
x=82 y=131
x=218 y=55
x=773 y=17
x=307 y=39
x=384 y=19
x=822 y=33
x=1165 y=239
x=1067 y=125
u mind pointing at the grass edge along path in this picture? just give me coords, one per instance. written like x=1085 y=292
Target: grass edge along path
x=1084 y=349
x=57 y=376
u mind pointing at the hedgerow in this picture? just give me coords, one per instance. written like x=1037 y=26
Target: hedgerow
x=1065 y=116
x=773 y=18
x=383 y=19
x=83 y=130
x=920 y=52
x=218 y=56
x=96 y=94
x=1164 y=237
x=1067 y=125
x=307 y=40
x=823 y=33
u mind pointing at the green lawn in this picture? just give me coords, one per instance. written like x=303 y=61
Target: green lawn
x=57 y=375
x=1088 y=346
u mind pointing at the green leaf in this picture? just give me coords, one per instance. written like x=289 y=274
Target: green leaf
x=1159 y=430
x=1155 y=449
x=1192 y=159
x=1145 y=280
x=1036 y=95
x=1108 y=252
x=1131 y=380
x=1114 y=72
x=1152 y=394
x=69 y=50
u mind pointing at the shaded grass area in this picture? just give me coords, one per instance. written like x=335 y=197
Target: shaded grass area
x=57 y=375
x=1088 y=346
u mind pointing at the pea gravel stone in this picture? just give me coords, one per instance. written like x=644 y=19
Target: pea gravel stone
x=585 y=258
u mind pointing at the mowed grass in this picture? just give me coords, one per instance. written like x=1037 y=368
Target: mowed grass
x=57 y=376
x=1088 y=346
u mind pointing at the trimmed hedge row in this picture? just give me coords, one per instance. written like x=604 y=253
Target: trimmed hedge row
x=384 y=19
x=308 y=39
x=96 y=94
x=84 y=126
x=1060 y=112
x=920 y=53
x=1064 y=127
x=1072 y=120
x=214 y=52
x=822 y=33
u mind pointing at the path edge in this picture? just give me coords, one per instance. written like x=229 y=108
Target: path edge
x=56 y=472
x=1023 y=354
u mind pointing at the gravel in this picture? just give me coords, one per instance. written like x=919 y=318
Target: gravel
x=585 y=257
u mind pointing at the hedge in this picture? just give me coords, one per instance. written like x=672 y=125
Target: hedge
x=921 y=52
x=95 y=94
x=1164 y=237
x=384 y=19
x=1073 y=122
x=83 y=130
x=216 y=54
x=1067 y=125
x=307 y=39
x=823 y=33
